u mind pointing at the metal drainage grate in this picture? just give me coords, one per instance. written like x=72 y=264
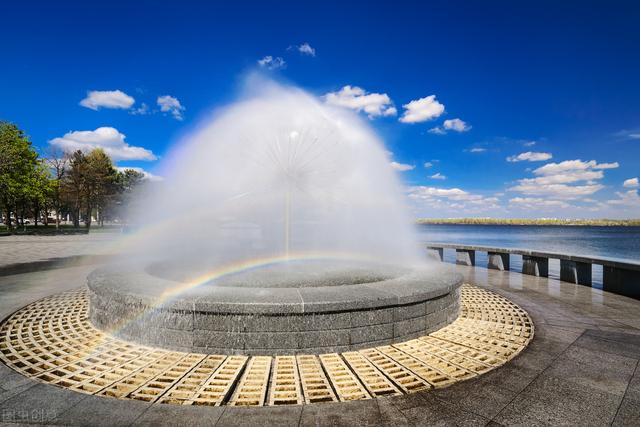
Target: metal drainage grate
x=53 y=341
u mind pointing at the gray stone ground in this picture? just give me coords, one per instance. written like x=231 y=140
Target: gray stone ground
x=581 y=369
x=29 y=249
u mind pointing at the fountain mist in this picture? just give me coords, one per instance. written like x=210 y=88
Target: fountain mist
x=277 y=173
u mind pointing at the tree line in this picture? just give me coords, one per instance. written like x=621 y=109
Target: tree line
x=76 y=184
x=525 y=221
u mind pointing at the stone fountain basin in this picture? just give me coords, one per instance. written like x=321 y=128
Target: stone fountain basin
x=308 y=310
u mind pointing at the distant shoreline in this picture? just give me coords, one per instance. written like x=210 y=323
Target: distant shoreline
x=516 y=221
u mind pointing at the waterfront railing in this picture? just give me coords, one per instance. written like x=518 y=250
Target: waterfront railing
x=618 y=276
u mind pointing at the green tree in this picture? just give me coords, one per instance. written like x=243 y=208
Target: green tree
x=58 y=163
x=74 y=184
x=100 y=184
x=18 y=168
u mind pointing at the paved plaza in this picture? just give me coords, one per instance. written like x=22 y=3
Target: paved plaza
x=580 y=369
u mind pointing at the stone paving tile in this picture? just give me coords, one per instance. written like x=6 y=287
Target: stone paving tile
x=40 y=404
x=476 y=396
x=623 y=337
x=633 y=390
x=441 y=413
x=390 y=414
x=407 y=401
x=21 y=249
x=607 y=346
x=554 y=339
x=360 y=413
x=282 y=416
x=101 y=411
x=553 y=401
x=175 y=415
x=10 y=379
x=606 y=372
x=628 y=413
x=535 y=360
x=510 y=376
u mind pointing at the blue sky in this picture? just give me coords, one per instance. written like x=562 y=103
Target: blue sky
x=552 y=86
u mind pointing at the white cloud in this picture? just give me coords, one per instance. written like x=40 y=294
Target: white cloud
x=421 y=110
x=628 y=134
x=456 y=125
x=565 y=178
x=424 y=192
x=613 y=165
x=306 y=49
x=427 y=165
x=438 y=176
x=437 y=131
x=356 y=98
x=107 y=138
x=530 y=156
x=570 y=179
x=628 y=198
x=147 y=175
x=271 y=63
x=477 y=150
x=169 y=104
x=560 y=191
x=631 y=183
x=571 y=165
x=97 y=99
x=402 y=167
x=529 y=143
x=537 y=203
x=141 y=111
x=430 y=199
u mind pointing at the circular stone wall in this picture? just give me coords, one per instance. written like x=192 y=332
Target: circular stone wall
x=308 y=309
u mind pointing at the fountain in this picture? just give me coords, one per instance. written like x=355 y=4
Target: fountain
x=279 y=229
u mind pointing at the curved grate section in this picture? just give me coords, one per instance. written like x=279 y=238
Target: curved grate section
x=53 y=341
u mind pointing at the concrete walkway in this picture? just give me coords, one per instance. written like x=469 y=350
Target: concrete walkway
x=581 y=369
x=16 y=250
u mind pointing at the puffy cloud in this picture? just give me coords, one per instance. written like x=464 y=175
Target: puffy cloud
x=537 y=203
x=422 y=110
x=558 y=180
x=424 y=192
x=427 y=165
x=97 y=99
x=402 y=167
x=613 y=165
x=271 y=63
x=628 y=198
x=438 y=176
x=147 y=175
x=560 y=191
x=356 y=98
x=631 y=183
x=456 y=125
x=169 y=104
x=306 y=49
x=565 y=178
x=107 y=138
x=571 y=165
x=449 y=200
x=530 y=156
